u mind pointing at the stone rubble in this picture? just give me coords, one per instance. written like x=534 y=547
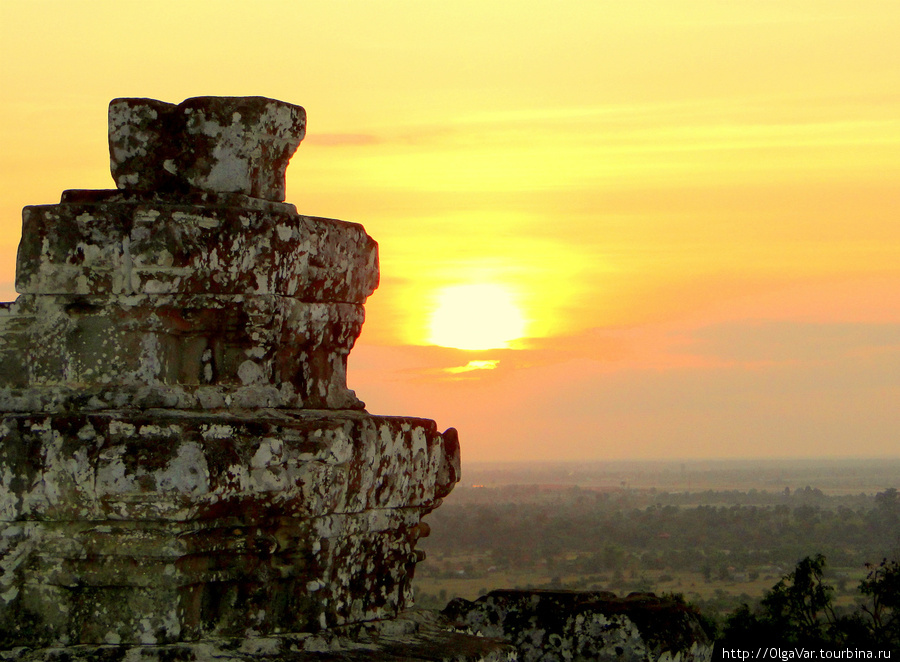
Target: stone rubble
x=585 y=626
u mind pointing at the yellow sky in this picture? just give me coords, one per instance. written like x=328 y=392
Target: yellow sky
x=694 y=205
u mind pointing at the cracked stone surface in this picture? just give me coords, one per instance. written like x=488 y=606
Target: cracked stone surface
x=414 y=636
x=101 y=242
x=166 y=526
x=215 y=144
x=197 y=351
x=551 y=626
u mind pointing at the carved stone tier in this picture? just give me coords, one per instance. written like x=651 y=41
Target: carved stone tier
x=108 y=242
x=136 y=299
x=186 y=351
x=161 y=526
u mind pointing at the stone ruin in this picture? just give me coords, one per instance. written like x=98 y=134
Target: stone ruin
x=180 y=456
x=184 y=474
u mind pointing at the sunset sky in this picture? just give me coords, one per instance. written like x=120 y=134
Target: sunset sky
x=670 y=229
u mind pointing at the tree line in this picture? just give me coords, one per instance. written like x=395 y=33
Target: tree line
x=599 y=531
x=614 y=538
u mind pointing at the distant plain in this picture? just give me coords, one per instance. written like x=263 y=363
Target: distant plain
x=718 y=532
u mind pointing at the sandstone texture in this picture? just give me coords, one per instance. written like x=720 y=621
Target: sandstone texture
x=164 y=526
x=584 y=626
x=185 y=351
x=103 y=242
x=217 y=144
x=180 y=457
x=414 y=636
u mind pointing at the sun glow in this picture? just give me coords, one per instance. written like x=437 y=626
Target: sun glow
x=478 y=316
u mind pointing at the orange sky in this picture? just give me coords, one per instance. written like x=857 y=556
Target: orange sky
x=690 y=208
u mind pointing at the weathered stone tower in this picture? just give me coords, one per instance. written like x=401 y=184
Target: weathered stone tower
x=180 y=457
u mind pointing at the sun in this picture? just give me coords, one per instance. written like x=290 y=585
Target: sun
x=477 y=316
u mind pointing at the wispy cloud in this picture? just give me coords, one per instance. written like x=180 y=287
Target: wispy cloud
x=341 y=139
x=488 y=364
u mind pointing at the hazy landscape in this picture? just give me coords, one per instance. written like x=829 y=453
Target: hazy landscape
x=719 y=532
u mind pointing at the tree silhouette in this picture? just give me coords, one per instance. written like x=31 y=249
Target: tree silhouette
x=799 y=611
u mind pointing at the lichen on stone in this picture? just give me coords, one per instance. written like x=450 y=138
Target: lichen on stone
x=180 y=456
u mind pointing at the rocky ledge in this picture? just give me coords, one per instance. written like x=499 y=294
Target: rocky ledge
x=415 y=636
x=582 y=626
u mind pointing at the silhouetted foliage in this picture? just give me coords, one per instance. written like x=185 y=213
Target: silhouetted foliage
x=799 y=611
x=882 y=587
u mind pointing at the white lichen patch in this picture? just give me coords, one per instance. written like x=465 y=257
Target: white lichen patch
x=285 y=232
x=250 y=372
x=268 y=453
x=111 y=476
x=118 y=427
x=218 y=431
x=187 y=473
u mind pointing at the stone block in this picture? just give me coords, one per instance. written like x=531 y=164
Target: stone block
x=412 y=636
x=165 y=526
x=145 y=246
x=217 y=144
x=586 y=625
x=194 y=352
x=177 y=466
